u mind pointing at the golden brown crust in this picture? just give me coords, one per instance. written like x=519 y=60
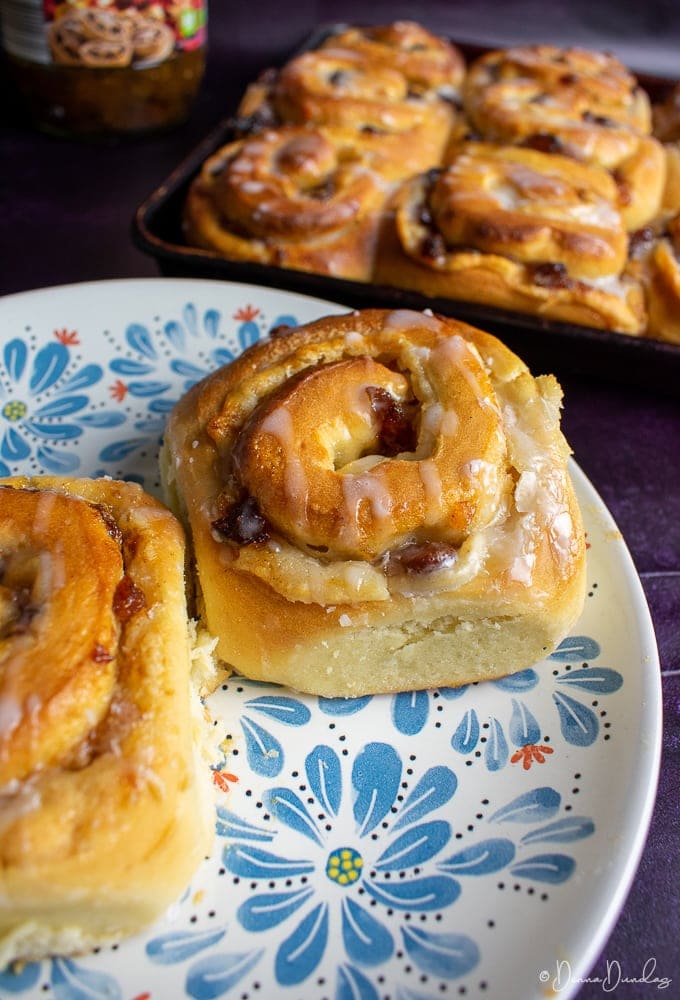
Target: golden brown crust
x=106 y=810
x=577 y=102
x=402 y=97
x=505 y=243
x=307 y=199
x=375 y=600
x=429 y=62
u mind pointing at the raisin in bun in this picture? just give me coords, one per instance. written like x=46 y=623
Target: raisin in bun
x=343 y=87
x=106 y=797
x=515 y=228
x=378 y=502
x=577 y=102
x=306 y=199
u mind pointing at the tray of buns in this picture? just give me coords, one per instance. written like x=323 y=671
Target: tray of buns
x=532 y=190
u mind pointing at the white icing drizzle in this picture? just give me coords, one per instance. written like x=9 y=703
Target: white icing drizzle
x=432 y=486
x=279 y=423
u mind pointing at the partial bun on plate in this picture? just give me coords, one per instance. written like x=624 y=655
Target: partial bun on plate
x=106 y=799
x=378 y=502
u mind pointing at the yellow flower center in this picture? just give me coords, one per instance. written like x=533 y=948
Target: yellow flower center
x=344 y=866
x=14 y=410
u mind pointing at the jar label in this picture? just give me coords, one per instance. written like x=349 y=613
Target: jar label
x=102 y=33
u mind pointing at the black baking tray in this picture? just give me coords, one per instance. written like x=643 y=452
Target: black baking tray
x=545 y=345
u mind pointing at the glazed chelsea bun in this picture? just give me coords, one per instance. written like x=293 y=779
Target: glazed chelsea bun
x=376 y=502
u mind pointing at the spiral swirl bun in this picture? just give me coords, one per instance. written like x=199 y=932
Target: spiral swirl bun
x=103 y=797
x=351 y=482
x=76 y=691
x=301 y=198
x=577 y=102
x=524 y=230
x=336 y=86
x=323 y=482
x=429 y=62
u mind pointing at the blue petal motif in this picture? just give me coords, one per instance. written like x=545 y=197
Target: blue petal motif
x=140 y=340
x=343 y=706
x=260 y=913
x=553 y=868
x=48 y=367
x=576 y=647
x=480 y=859
x=222 y=356
x=300 y=953
x=163 y=406
x=466 y=735
x=145 y=389
x=431 y=893
x=375 y=776
x=410 y=710
x=325 y=778
x=215 y=975
x=525 y=680
x=13 y=446
x=4 y=469
x=496 y=754
x=168 y=949
x=231 y=825
x=73 y=982
x=187 y=370
x=353 y=985
x=211 y=323
x=415 y=846
x=451 y=694
x=153 y=426
x=290 y=711
x=120 y=450
x=434 y=789
x=85 y=377
x=58 y=462
x=288 y=808
x=15 y=355
x=104 y=418
x=128 y=367
x=254 y=863
x=523 y=728
x=444 y=955
x=190 y=316
x=264 y=752
x=531 y=807
x=366 y=940
x=53 y=432
x=578 y=723
x=62 y=407
x=598 y=680
x=174 y=331
x=562 y=831
x=24 y=978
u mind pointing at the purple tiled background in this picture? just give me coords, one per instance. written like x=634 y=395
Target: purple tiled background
x=65 y=215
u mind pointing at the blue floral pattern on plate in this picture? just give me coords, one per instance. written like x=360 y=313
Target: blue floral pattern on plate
x=388 y=846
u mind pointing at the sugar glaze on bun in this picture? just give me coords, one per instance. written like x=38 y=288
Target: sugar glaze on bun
x=378 y=502
x=106 y=805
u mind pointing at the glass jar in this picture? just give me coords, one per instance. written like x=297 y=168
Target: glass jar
x=101 y=67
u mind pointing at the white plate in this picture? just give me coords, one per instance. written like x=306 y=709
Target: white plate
x=477 y=842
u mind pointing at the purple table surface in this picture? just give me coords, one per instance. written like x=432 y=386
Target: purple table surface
x=66 y=209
